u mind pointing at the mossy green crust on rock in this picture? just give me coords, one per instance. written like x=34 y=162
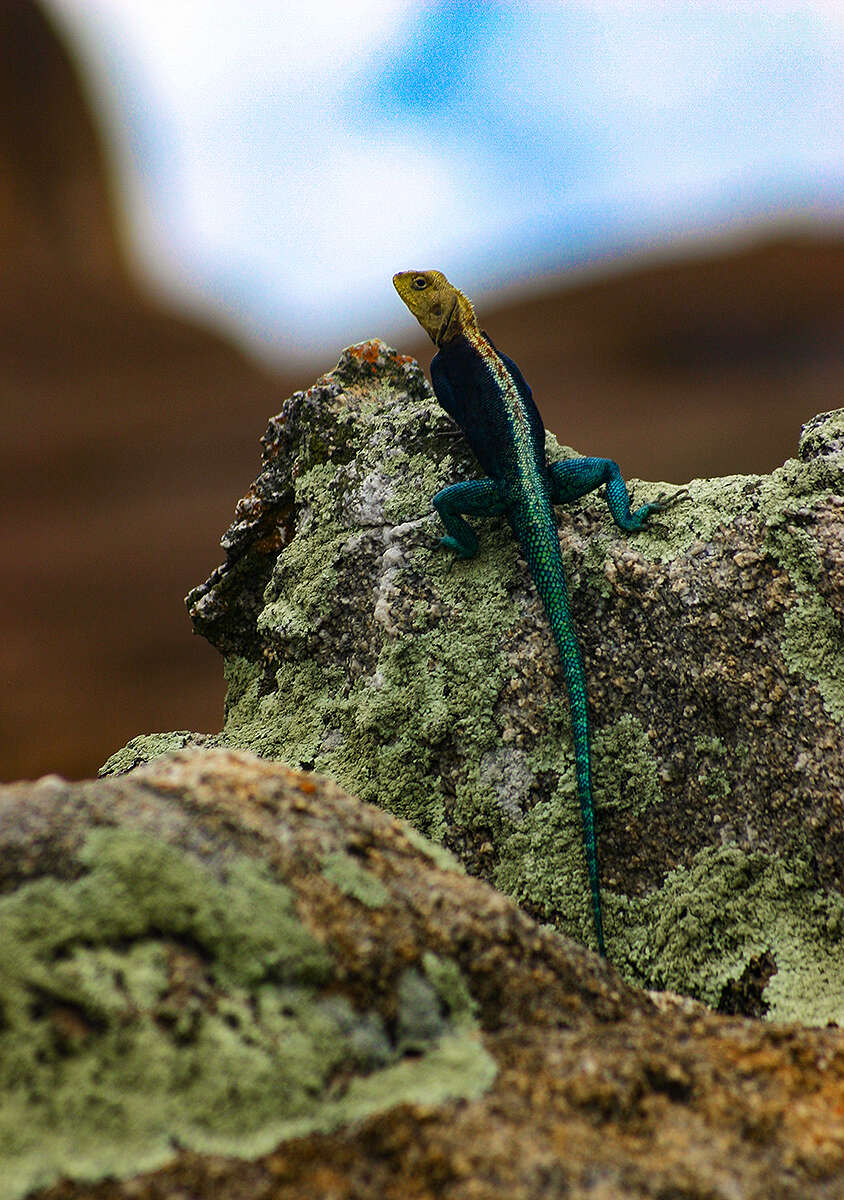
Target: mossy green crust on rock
x=220 y=979
x=159 y=989
x=355 y=646
x=734 y=916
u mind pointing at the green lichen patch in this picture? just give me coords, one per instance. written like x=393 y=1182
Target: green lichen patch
x=146 y=747
x=542 y=863
x=812 y=640
x=707 y=505
x=352 y=879
x=152 y=1002
x=704 y=929
x=822 y=438
x=433 y=680
x=439 y=856
x=714 y=761
x=626 y=773
x=456 y=1067
x=813 y=646
x=448 y=981
x=288 y=723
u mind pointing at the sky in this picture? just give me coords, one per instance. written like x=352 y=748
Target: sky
x=277 y=162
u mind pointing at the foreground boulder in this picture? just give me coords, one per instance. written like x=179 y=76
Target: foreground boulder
x=354 y=645
x=219 y=977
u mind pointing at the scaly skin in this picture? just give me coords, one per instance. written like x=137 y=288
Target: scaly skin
x=485 y=393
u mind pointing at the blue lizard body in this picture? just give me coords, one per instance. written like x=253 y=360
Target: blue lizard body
x=485 y=393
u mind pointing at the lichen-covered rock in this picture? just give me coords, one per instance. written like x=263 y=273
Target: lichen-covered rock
x=221 y=978
x=354 y=645
x=191 y=957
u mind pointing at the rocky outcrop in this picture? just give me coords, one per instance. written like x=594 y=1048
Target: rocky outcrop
x=126 y=426
x=220 y=977
x=354 y=646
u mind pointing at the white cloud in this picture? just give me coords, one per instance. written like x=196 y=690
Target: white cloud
x=243 y=180
x=190 y=49
x=252 y=182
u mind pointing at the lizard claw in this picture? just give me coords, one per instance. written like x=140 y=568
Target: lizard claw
x=666 y=499
x=641 y=518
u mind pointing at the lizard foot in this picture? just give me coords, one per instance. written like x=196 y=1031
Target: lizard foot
x=460 y=549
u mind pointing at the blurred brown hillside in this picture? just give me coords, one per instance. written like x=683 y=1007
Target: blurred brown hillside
x=698 y=367
x=128 y=433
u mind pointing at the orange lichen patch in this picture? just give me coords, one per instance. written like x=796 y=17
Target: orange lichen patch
x=375 y=351
x=367 y=352
x=786 y=1053
x=747 y=1059
x=273 y=542
x=789 y=1086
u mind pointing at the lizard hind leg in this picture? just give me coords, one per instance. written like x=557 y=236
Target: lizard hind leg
x=472 y=498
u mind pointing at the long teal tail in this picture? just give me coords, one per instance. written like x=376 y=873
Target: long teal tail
x=535 y=527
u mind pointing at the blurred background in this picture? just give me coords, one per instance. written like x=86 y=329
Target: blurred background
x=202 y=203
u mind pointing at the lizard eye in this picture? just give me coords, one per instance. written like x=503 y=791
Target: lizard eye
x=418 y=283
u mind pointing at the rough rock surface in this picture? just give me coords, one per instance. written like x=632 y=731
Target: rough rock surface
x=354 y=645
x=221 y=977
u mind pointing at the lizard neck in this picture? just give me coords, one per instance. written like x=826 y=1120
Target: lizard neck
x=459 y=320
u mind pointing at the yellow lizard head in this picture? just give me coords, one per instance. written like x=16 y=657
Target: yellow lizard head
x=438 y=306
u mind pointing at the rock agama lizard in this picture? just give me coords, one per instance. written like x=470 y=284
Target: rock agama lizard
x=486 y=394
